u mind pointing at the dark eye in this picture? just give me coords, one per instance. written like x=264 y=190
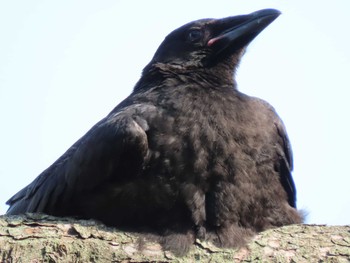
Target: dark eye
x=195 y=35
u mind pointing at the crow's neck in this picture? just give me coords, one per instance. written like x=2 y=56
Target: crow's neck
x=159 y=74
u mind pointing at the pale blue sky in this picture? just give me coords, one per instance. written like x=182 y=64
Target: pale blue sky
x=65 y=64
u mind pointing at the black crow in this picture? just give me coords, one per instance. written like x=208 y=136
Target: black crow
x=186 y=155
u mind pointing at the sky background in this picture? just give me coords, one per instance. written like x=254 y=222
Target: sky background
x=64 y=65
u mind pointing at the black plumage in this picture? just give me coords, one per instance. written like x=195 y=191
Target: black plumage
x=186 y=155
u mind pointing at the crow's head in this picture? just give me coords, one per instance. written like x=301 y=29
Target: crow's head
x=207 y=42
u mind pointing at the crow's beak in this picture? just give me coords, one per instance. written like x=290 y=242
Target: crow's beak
x=239 y=31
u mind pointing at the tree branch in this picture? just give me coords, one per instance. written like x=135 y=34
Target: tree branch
x=43 y=238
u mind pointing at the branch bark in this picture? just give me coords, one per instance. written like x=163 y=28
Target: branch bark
x=43 y=238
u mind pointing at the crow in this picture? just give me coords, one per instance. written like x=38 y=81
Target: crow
x=186 y=155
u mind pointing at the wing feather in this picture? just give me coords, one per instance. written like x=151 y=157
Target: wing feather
x=286 y=164
x=93 y=160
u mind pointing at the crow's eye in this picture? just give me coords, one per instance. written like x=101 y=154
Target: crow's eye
x=195 y=35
